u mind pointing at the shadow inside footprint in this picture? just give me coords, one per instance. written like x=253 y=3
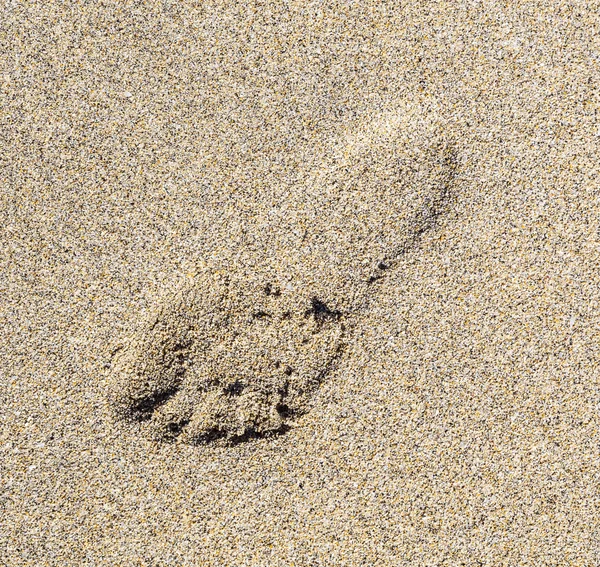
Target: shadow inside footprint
x=142 y=410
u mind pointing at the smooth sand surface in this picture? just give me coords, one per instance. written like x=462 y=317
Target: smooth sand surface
x=460 y=425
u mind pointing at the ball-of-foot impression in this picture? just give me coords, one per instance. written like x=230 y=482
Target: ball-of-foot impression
x=239 y=353
x=227 y=359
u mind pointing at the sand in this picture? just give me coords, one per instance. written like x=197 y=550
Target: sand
x=445 y=410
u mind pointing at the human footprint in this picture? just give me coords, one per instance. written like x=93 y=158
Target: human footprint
x=239 y=353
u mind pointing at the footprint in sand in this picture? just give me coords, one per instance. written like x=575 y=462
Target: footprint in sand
x=240 y=352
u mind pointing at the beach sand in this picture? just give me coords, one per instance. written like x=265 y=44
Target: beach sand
x=146 y=145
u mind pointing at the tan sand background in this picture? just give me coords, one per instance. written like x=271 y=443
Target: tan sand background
x=462 y=427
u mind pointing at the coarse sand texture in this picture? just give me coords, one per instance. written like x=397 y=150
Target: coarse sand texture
x=308 y=283
x=238 y=353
